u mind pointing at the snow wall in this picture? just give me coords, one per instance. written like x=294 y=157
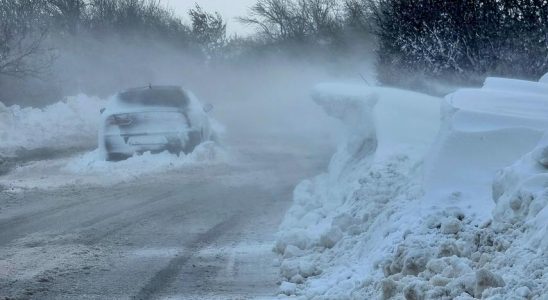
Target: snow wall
x=426 y=199
x=71 y=123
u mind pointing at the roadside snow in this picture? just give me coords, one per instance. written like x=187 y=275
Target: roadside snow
x=544 y=79
x=71 y=123
x=342 y=219
x=406 y=208
x=91 y=169
x=483 y=131
x=92 y=163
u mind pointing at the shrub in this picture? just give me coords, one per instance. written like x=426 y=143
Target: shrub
x=461 y=41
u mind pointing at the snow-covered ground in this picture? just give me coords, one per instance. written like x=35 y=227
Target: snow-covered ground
x=427 y=199
x=91 y=169
x=71 y=123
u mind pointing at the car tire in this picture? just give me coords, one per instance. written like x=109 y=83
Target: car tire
x=116 y=157
x=194 y=139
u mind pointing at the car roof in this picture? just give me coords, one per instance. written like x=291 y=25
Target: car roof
x=170 y=96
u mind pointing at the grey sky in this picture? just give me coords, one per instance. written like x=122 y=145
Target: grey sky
x=230 y=9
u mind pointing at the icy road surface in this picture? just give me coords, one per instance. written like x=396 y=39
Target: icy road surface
x=197 y=232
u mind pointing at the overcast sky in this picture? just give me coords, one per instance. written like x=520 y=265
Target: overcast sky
x=229 y=9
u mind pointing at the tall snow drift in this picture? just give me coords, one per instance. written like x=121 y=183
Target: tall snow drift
x=520 y=192
x=406 y=208
x=483 y=131
x=388 y=132
x=544 y=79
x=71 y=123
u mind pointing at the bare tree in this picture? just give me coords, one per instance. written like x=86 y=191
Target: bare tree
x=275 y=18
x=297 y=21
x=208 y=31
x=460 y=41
x=68 y=14
x=23 y=31
x=135 y=18
x=359 y=15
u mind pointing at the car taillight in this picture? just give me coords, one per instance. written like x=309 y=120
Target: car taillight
x=120 y=120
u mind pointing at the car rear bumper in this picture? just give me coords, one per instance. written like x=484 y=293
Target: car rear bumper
x=129 y=144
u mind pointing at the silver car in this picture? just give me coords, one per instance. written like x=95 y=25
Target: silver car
x=155 y=119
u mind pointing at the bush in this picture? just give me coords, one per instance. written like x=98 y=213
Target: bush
x=135 y=18
x=23 y=29
x=460 y=41
x=297 y=22
x=208 y=31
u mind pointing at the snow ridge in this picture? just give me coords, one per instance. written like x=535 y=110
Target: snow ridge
x=414 y=218
x=71 y=123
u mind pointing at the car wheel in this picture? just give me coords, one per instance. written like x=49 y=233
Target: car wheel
x=116 y=156
x=194 y=139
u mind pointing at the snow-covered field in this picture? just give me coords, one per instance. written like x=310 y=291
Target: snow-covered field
x=427 y=199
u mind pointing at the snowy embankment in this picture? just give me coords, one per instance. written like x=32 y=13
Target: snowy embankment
x=415 y=208
x=72 y=123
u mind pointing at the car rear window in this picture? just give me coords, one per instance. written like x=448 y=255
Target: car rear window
x=156 y=96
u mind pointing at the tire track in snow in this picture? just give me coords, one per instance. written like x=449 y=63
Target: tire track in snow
x=167 y=275
x=17 y=225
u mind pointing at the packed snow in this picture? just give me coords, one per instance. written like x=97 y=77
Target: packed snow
x=92 y=163
x=427 y=199
x=91 y=169
x=71 y=123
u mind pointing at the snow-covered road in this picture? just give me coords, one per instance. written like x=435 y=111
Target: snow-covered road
x=198 y=232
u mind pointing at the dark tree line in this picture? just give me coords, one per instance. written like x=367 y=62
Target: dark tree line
x=326 y=25
x=303 y=21
x=27 y=25
x=209 y=31
x=455 y=40
x=459 y=41
x=462 y=40
x=23 y=30
x=125 y=18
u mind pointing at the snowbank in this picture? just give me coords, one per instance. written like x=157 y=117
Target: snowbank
x=93 y=163
x=544 y=79
x=406 y=208
x=91 y=169
x=326 y=239
x=520 y=192
x=454 y=254
x=483 y=131
x=72 y=123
